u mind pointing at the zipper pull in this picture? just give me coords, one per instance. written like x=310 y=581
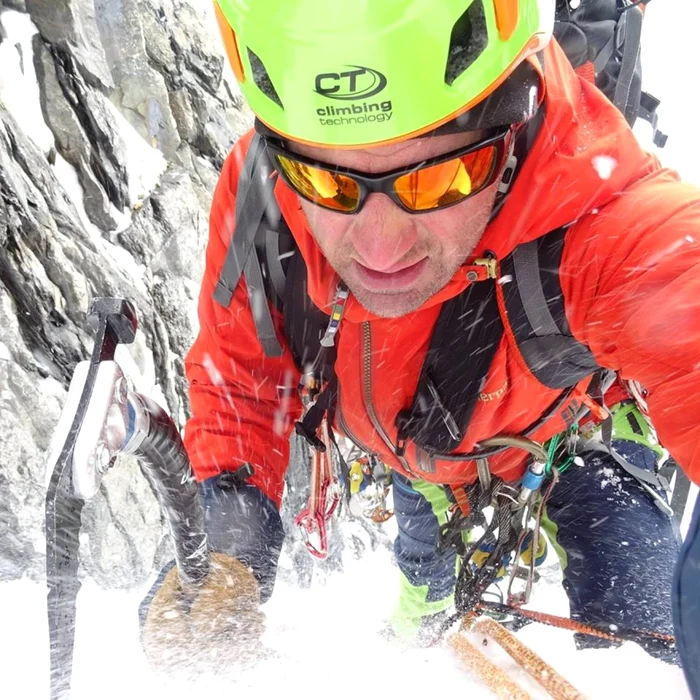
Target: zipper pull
x=402 y=421
x=337 y=310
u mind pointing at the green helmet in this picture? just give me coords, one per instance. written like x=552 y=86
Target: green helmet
x=376 y=71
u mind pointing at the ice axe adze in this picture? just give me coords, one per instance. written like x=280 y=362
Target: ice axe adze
x=102 y=418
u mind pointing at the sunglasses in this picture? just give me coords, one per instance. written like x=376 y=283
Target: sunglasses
x=431 y=184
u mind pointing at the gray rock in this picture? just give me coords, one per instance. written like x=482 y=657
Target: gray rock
x=70 y=25
x=72 y=141
x=160 y=64
x=176 y=208
x=19 y=5
x=183 y=114
x=142 y=92
x=29 y=408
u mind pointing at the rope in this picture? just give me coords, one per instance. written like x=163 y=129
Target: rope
x=553 y=682
x=618 y=635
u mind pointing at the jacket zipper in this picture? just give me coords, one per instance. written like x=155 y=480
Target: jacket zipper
x=348 y=433
x=367 y=395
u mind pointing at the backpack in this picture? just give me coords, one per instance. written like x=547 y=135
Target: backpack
x=602 y=40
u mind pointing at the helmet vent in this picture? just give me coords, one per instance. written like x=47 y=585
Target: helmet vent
x=469 y=38
x=262 y=79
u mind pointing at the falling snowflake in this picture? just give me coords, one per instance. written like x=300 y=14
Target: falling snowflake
x=604 y=166
x=212 y=370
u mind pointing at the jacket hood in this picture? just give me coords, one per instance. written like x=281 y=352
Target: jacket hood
x=584 y=156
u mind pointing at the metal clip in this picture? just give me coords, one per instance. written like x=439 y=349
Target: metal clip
x=491 y=265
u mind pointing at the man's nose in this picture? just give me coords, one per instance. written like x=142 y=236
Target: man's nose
x=383 y=233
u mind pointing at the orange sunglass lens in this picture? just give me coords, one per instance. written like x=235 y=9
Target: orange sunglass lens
x=446 y=183
x=331 y=190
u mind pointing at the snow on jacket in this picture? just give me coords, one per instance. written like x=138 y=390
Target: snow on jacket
x=630 y=274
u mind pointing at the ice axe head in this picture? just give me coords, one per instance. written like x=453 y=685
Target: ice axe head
x=114 y=321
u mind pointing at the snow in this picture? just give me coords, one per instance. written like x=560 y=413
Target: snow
x=119 y=257
x=325 y=640
x=215 y=376
x=604 y=166
x=19 y=90
x=19 y=93
x=144 y=162
x=5 y=354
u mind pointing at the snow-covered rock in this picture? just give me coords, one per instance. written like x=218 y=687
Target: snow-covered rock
x=114 y=123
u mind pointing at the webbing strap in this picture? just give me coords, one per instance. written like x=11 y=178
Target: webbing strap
x=638 y=473
x=464 y=342
x=681 y=491
x=527 y=273
x=264 y=326
x=250 y=209
x=604 y=55
x=274 y=261
x=536 y=313
x=651 y=482
x=630 y=57
x=254 y=197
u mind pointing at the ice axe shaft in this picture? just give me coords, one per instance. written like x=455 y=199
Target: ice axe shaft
x=106 y=420
x=114 y=321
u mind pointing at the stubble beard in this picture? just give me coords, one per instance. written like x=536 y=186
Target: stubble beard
x=390 y=304
x=442 y=265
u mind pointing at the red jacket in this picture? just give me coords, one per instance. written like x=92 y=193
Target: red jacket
x=630 y=274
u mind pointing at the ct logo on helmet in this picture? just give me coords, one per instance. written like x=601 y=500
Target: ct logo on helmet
x=356 y=83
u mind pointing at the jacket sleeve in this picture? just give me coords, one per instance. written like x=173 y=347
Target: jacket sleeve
x=631 y=280
x=243 y=403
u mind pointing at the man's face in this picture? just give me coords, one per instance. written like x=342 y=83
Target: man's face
x=391 y=260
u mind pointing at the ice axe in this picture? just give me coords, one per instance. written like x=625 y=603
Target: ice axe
x=102 y=418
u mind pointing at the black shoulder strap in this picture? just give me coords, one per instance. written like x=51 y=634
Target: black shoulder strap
x=305 y=323
x=463 y=344
x=257 y=213
x=469 y=330
x=535 y=307
x=264 y=250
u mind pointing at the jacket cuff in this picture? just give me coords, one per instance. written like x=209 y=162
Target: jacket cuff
x=241 y=521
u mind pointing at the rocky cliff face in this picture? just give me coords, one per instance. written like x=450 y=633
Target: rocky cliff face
x=114 y=122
